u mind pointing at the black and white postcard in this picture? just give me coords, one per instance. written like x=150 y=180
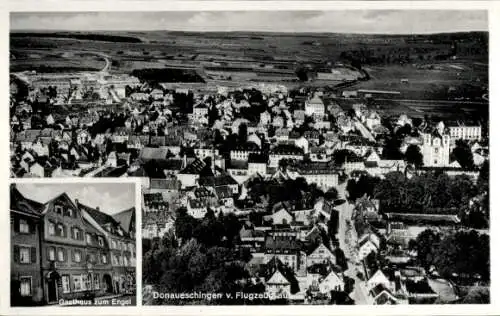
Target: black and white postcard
x=337 y=154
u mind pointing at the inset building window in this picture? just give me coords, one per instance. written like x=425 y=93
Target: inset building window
x=52 y=254
x=77 y=256
x=60 y=254
x=25 y=286
x=24 y=226
x=24 y=255
x=65 y=284
x=52 y=229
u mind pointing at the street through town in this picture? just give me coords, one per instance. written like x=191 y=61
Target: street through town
x=347 y=242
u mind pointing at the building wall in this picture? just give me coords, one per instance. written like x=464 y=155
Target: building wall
x=123 y=254
x=260 y=168
x=436 y=151
x=465 y=132
x=320 y=255
x=241 y=154
x=68 y=268
x=324 y=181
x=30 y=270
x=290 y=259
x=275 y=158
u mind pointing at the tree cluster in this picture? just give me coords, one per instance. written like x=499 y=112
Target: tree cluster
x=463 y=254
x=364 y=185
x=463 y=154
x=431 y=192
x=296 y=191
x=206 y=261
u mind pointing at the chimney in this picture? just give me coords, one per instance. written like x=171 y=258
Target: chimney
x=76 y=201
x=97 y=208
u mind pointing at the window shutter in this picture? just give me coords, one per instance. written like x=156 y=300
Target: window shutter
x=33 y=255
x=16 y=224
x=16 y=253
x=64 y=231
x=32 y=227
x=65 y=255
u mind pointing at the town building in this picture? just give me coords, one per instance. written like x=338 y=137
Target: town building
x=436 y=150
x=315 y=107
x=27 y=285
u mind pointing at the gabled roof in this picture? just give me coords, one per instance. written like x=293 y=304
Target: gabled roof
x=281 y=243
x=126 y=219
x=377 y=290
x=103 y=219
x=150 y=153
x=170 y=164
x=278 y=278
x=224 y=179
x=285 y=276
x=223 y=192
x=165 y=184
x=193 y=168
x=20 y=203
x=370 y=237
x=379 y=274
x=63 y=196
x=321 y=245
x=382 y=296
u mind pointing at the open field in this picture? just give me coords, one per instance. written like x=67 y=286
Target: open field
x=439 y=82
x=54 y=61
x=412 y=65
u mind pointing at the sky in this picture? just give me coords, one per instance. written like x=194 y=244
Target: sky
x=111 y=198
x=345 y=21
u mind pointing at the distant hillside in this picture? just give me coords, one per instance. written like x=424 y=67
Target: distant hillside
x=80 y=36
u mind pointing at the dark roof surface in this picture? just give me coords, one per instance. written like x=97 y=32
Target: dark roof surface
x=21 y=203
x=126 y=219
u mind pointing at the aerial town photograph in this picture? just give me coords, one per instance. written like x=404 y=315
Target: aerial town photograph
x=285 y=157
x=72 y=244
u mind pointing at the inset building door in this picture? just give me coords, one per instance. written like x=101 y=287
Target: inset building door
x=52 y=290
x=108 y=284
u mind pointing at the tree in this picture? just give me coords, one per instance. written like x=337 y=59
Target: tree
x=184 y=224
x=483 y=180
x=391 y=148
x=230 y=226
x=425 y=244
x=340 y=258
x=332 y=194
x=463 y=154
x=242 y=133
x=351 y=189
x=414 y=156
x=333 y=224
x=301 y=73
x=477 y=295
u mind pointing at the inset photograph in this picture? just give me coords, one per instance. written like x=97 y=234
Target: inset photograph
x=73 y=244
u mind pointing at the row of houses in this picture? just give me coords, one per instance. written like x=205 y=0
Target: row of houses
x=63 y=249
x=386 y=238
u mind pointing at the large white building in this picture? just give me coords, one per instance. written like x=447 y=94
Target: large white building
x=200 y=114
x=460 y=131
x=436 y=150
x=315 y=107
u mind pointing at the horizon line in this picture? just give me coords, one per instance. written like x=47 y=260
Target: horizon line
x=247 y=31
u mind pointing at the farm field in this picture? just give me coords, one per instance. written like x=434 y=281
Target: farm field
x=423 y=76
x=441 y=82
